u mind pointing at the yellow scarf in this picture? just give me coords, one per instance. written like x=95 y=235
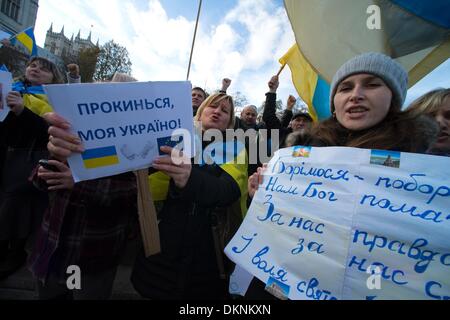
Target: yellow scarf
x=37 y=103
x=159 y=182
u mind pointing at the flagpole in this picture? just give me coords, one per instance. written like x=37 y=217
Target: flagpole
x=281 y=69
x=193 y=40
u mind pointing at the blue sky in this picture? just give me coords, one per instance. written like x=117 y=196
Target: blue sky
x=241 y=40
x=238 y=39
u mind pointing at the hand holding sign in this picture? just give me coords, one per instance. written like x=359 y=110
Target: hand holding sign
x=61 y=143
x=176 y=166
x=15 y=101
x=255 y=180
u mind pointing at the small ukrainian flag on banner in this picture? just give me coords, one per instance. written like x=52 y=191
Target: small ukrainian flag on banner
x=100 y=157
x=26 y=37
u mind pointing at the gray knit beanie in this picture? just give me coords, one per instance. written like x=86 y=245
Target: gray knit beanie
x=380 y=65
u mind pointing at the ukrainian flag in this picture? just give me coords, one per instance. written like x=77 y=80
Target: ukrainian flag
x=328 y=33
x=311 y=87
x=26 y=37
x=100 y=157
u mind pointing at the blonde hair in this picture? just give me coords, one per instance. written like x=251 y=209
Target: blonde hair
x=429 y=103
x=216 y=98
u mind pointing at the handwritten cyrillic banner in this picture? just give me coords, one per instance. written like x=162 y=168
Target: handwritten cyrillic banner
x=347 y=223
x=123 y=125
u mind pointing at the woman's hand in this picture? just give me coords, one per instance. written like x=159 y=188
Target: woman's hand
x=62 y=143
x=15 y=101
x=57 y=180
x=176 y=166
x=255 y=180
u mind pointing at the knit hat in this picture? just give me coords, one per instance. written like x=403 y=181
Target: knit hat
x=380 y=65
x=302 y=114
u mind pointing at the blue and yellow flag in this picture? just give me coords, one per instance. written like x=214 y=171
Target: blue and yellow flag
x=100 y=157
x=26 y=37
x=34 y=98
x=328 y=33
x=311 y=87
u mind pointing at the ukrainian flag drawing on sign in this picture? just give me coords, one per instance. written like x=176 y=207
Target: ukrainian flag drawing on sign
x=100 y=157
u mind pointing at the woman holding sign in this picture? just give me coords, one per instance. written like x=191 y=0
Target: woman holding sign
x=85 y=225
x=24 y=139
x=367 y=93
x=200 y=214
x=202 y=206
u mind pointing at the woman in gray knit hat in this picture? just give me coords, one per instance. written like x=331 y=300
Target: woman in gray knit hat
x=367 y=93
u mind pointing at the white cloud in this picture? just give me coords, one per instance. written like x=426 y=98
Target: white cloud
x=244 y=45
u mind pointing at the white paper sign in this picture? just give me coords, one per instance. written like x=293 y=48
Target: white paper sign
x=5 y=88
x=123 y=125
x=347 y=223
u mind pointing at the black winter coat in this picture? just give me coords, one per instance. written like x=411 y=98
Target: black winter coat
x=187 y=266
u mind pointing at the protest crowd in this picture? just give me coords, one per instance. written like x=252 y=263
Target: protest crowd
x=48 y=222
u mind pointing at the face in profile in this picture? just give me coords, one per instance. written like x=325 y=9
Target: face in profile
x=443 y=118
x=362 y=101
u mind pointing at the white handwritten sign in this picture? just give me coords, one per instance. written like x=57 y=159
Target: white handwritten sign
x=5 y=88
x=123 y=125
x=347 y=223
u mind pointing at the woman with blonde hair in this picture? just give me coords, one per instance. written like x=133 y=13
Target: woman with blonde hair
x=202 y=206
x=200 y=214
x=435 y=104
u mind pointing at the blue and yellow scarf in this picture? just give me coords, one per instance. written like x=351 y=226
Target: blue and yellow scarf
x=34 y=98
x=159 y=182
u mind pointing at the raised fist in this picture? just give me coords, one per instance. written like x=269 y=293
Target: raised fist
x=74 y=70
x=273 y=84
x=291 y=102
x=225 y=84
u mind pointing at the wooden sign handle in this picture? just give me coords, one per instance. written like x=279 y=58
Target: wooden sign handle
x=147 y=215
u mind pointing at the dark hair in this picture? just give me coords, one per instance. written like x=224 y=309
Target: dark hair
x=303 y=115
x=203 y=91
x=47 y=64
x=397 y=131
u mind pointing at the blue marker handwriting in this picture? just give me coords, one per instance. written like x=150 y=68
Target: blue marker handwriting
x=416 y=251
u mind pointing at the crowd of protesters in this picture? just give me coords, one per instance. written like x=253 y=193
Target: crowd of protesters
x=52 y=222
